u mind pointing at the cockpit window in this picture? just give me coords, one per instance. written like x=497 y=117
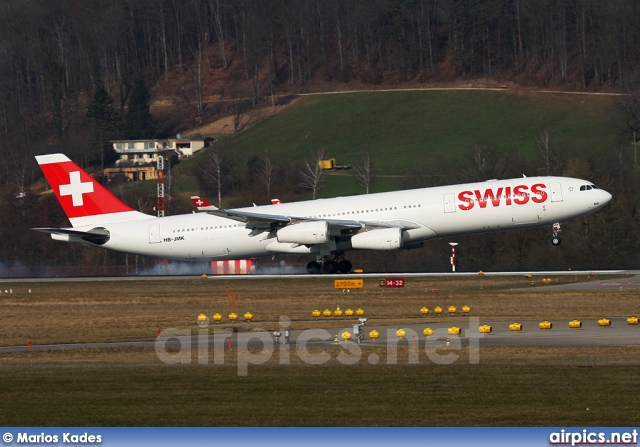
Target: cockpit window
x=586 y=187
x=594 y=187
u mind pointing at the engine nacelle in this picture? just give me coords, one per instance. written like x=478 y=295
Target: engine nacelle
x=305 y=233
x=383 y=239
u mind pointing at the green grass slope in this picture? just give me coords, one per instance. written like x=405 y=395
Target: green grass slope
x=401 y=127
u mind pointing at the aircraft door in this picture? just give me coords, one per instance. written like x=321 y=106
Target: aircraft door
x=449 y=202
x=154 y=233
x=556 y=192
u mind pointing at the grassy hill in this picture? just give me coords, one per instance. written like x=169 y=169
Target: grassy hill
x=400 y=128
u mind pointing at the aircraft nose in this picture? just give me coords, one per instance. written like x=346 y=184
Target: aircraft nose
x=606 y=197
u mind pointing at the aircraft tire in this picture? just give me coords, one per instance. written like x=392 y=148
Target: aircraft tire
x=345 y=266
x=313 y=267
x=330 y=267
x=556 y=241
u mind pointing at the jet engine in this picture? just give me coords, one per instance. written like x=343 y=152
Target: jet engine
x=316 y=232
x=383 y=239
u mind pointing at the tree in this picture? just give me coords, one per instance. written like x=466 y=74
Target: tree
x=627 y=107
x=551 y=156
x=103 y=119
x=265 y=173
x=365 y=172
x=238 y=105
x=212 y=169
x=312 y=176
x=138 y=121
x=216 y=18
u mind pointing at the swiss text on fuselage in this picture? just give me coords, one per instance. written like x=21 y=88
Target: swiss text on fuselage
x=518 y=195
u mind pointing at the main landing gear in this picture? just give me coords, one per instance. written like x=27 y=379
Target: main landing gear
x=556 y=229
x=325 y=265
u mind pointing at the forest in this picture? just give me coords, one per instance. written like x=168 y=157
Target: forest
x=73 y=71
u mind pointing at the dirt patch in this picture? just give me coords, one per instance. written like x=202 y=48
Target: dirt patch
x=225 y=125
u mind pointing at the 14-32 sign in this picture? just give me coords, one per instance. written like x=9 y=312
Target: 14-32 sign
x=392 y=283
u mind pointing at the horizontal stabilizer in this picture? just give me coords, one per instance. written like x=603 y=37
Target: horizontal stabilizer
x=97 y=236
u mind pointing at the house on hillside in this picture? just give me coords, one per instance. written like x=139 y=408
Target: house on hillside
x=138 y=158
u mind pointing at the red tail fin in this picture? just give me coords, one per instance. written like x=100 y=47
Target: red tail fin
x=84 y=200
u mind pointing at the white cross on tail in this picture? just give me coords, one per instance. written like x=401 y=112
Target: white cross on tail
x=76 y=188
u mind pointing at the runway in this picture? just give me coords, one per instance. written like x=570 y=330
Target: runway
x=274 y=275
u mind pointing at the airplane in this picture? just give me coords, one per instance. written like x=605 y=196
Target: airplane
x=326 y=228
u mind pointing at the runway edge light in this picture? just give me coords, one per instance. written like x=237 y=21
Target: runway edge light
x=575 y=324
x=546 y=325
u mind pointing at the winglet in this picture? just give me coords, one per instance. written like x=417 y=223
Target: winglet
x=202 y=204
x=83 y=199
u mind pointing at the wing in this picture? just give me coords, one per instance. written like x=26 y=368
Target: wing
x=201 y=204
x=259 y=221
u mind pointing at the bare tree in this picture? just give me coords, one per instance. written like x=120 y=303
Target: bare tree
x=366 y=172
x=238 y=105
x=212 y=169
x=312 y=176
x=216 y=18
x=474 y=167
x=543 y=144
x=552 y=154
x=197 y=47
x=265 y=173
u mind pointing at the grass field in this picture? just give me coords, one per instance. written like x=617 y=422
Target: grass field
x=405 y=129
x=130 y=386
x=400 y=128
x=125 y=391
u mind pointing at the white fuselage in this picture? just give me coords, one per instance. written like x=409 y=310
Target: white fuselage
x=421 y=213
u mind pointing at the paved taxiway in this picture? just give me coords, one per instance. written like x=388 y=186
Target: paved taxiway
x=630 y=282
x=618 y=334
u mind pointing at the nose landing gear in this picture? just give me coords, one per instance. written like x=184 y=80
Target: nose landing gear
x=556 y=239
